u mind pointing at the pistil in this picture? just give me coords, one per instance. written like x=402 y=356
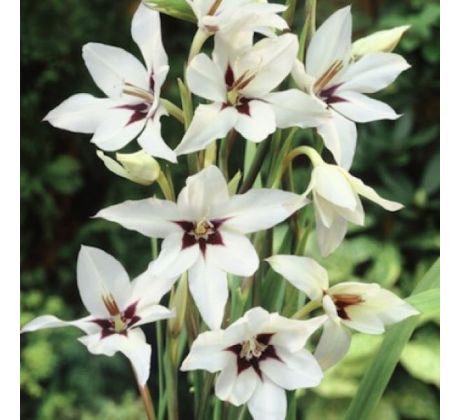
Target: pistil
x=132 y=90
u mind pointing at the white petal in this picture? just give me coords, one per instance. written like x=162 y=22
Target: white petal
x=208 y=353
x=332 y=185
x=333 y=344
x=50 y=321
x=291 y=334
x=151 y=140
x=268 y=402
x=236 y=388
x=209 y=123
x=99 y=276
x=373 y=72
x=111 y=67
x=331 y=42
x=236 y=256
x=339 y=135
x=303 y=81
x=295 y=108
x=258 y=124
x=116 y=129
x=372 y=195
x=257 y=320
x=208 y=286
x=81 y=113
x=205 y=79
x=146 y=32
x=392 y=309
x=363 y=320
x=271 y=60
x=173 y=260
x=294 y=370
x=360 y=108
x=325 y=210
x=260 y=209
x=329 y=238
x=203 y=193
x=151 y=217
x=151 y=313
x=133 y=346
x=149 y=287
x=303 y=272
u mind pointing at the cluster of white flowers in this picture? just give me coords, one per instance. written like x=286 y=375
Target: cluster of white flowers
x=205 y=231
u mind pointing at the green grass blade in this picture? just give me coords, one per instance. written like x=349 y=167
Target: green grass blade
x=376 y=379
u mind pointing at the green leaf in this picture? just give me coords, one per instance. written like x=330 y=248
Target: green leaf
x=387 y=266
x=64 y=174
x=426 y=302
x=430 y=180
x=377 y=377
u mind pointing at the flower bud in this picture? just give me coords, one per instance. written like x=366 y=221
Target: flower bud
x=176 y=8
x=381 y=41
x=138 y=167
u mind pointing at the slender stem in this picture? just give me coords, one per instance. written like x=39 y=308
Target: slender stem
x=174 y=110
x=254 y=170
x=146 y=398
x=275 y=171
x=198 y=40
x=304 y=311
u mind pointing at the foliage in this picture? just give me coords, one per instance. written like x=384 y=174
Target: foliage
x=63 y=184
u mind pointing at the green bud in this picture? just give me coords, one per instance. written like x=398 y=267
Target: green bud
x=176 y=8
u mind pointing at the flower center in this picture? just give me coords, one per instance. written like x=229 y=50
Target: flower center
x=342 y=301
x=252 y=348
x=119 y=321
x=202 y=229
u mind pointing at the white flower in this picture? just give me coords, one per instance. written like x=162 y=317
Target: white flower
x=138 y=167
x=337 y=81
x=239 y=87
x=380 y=41
x=117 y=308
x=363 y=307
x=258 y=357
x=229 y=17
x=132 y=106
x=204 y=233
x=336 y=201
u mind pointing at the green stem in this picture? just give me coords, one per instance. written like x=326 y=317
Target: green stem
x=309 y=307
x=308 y=29
x=254 y=170
x=198 y=41
x=224 y=152
x=275 y=175
x=146 y=398
x=173 y=110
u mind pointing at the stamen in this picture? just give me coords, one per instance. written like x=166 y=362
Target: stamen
x=252 y=348
x=132 y=90
x=213 y=9
x=330 y=73
x=202 y=229
x=111 y=305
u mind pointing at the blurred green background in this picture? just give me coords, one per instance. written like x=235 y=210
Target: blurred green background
x=63 y=184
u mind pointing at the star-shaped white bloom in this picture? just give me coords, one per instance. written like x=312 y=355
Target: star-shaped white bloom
x=132 y=107
x=336 y=202
x=258 y=357
x=117 y=309
x=363 y=307
x=334 y=79
x=239 y=86
x=204 y=233
x=228 y=18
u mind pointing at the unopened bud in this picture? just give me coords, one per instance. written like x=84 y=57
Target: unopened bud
x=179 y=302
x=138 y=167
x=179 y=9
x=381 y=41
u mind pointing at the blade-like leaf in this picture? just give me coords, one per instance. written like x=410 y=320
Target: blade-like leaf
x=377 y=377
